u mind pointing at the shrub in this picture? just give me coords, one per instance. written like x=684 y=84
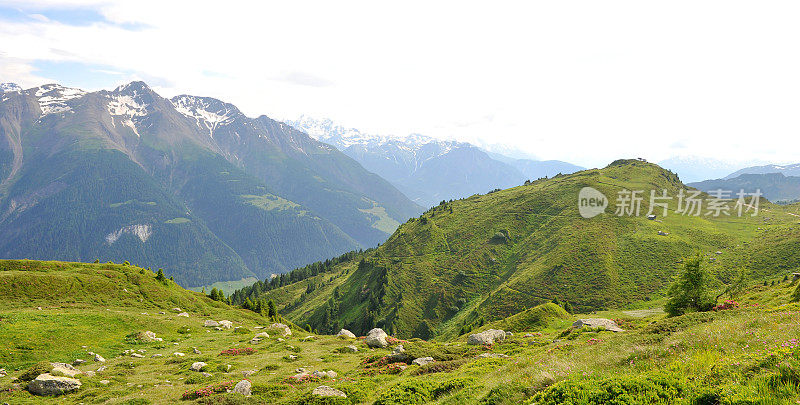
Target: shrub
x=208 y=390
x=691 y=292
x=421 y=392
x=439 y=367
x=34 y=371
x=238 y=352
x=642 y=389
x=796 y=294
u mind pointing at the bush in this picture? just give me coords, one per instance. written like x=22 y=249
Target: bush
x=796 y=294
x=640 y=389
x=439 y=367
x=691 y=292
x=34 y=371
x=421 y=392
x=208 y=390
x=238 y=352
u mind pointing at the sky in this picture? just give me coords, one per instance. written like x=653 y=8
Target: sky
x=581 y=81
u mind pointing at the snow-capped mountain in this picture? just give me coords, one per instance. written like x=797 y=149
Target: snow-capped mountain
x=786 y=170
x=696 y=168
x=429 y=170
x=10 y=88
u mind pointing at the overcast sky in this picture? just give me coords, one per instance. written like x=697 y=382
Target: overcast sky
x=582 y=81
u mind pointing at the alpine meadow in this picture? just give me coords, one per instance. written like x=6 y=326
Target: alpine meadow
x=329 y=203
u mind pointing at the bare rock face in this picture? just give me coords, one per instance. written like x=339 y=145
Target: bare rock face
x=607 y=324
x=376 y=338
x=486 y=337
x=326 y=391
x=49 y=385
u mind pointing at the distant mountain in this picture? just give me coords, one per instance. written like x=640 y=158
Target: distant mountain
x=188 y=184
x=694 y=168
x=775 y=186
x=787 y=170
x=430 y=170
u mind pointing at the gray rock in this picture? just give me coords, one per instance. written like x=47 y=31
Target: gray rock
x=197 y=366
x=101 y=369
x=607 y=324
x=325 y=374
x=226 y=324
x=178 y=354
x=49 y=385
x=98 y=358
x=326 y=391
x=78 y=362
x=352 y=349
x=423 y=361
x=283 y=329
x=207 y=375
x=184 y=314
x=486 y=337
x=376 y=338
x=345 y=334
x=248 y=373
x=195 y=351
x=137 y=355
x=399 y=354
x=104 y=382
x=210 y=323
x=89 y=373
x=65 y=369
x=243 y=387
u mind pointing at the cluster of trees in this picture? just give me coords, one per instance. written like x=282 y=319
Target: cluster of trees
x=254 y=291
x=692 y=291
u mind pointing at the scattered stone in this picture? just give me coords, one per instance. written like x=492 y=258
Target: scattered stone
x=98 y=358
x=423 y=361
x=178 y=354
x=376 y=338
x=210 y=323
x=101 y=369
x=345 y=334
x=607 y=324
x=399 y=354
x=162 y=313
x=326 y=391
x=78 y=362
x=3 y=372
x=184 y=314
x=207 y=375
x=352 y=348
x=137 y=355
x=243 y=387
x=248 y=373
x=281 y=340
x=300 y=370
x=176 y=309
x=197 y=366
x=262 y=335
x=39 y=308
x=283 y=329
x=486 y=337
x=325 y=374
x=509 y=334
x=157 y=355
x=104 y=382
x=662 y=233
x=292 y=357
x=307 y=338
x=65 y=369
x=492 y=356
x=195 y=351
x=49 y=385
x=226 y=324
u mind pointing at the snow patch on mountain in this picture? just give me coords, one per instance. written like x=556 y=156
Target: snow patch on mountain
x=207 y=115
x=54 y=98
x=10 y=88
x=125 y=104
x=141 y=231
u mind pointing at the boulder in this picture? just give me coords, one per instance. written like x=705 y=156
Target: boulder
x=207 y=375
x=243 y=387
x=248 y=373
x=262 y=335
x=486 y=337
x=399 y=354
x=176 y=309
x=78 y=362
x=226 y=324
x=607 y=324
x=326 y=391
x=197 y=366
x=99 y=358
x=376 y=338
x=283 y=329
x=137 y=355
x=46 y=384
x=308 y=338
x=210 y=323
x=325 y=374
x=104 y=382
x=178 y=354
x=345 y=334
x=352 y=349
x=196 y=351
x=184 y=314
x=423 y=361
x=65 y=369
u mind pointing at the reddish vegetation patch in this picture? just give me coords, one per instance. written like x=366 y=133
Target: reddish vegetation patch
x=302 y=379
x=238 y=352
x=728 y=304
x=208 y=390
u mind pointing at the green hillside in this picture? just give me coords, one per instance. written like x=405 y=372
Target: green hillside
x=490 y=256
x=60 y=312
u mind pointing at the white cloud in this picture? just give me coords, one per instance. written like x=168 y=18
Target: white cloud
x=581 y=81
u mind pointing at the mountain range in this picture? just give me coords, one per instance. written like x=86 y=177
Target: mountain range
x=774 y=186
x=189 y=184
x=430 y=170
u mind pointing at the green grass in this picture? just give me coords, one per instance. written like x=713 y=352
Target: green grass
x=727 y=357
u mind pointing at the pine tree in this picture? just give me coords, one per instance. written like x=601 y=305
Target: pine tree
x=691 y=291
x=272 y=311
x=160 y=276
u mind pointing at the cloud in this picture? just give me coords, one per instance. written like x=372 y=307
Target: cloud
x=586 y=82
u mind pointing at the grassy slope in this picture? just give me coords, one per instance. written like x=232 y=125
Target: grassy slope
x=450 y=271
x=739 y=354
